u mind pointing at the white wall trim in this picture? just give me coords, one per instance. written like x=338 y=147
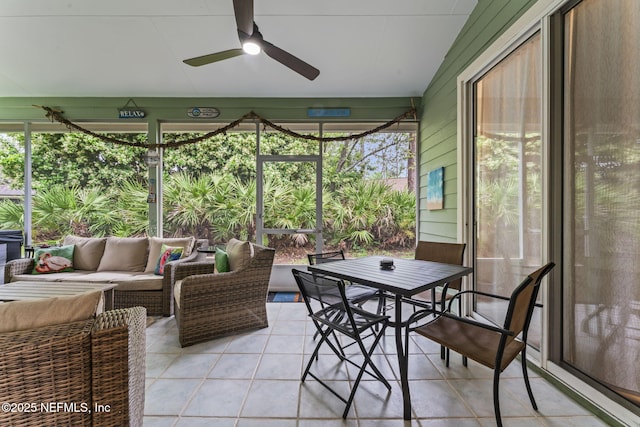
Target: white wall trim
x=525 y=25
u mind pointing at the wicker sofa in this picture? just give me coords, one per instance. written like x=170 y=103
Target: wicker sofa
x=129 y=262
x=216 y=304
x=81 y=373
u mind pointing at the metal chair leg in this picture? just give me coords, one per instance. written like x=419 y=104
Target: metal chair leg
x=496 y=401
x=525 y=374
x=367 y=361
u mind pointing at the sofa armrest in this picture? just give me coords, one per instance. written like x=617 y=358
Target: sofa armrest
x=17 y=266
x=169 y=277
x=118 y=366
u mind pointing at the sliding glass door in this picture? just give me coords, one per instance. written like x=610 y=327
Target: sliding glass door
x=601 y=289
x=507 y=188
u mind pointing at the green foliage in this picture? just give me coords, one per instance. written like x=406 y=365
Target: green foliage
x=131 y=217
x=72 y=159
x=11 y=215
x=370 y=211
x=87 y=187
x=232 y=154
x=187 y=201
x=61 y=210
x=11 y=161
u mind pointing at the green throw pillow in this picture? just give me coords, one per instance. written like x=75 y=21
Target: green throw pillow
x=53 y=260
x=222 y=261
x=167 y=254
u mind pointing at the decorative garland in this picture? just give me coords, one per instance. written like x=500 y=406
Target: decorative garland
x=57 y=116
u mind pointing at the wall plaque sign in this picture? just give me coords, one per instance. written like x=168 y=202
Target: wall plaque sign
x=328 y=112
x=131 y=111
x=131 y=114
x=203 y=112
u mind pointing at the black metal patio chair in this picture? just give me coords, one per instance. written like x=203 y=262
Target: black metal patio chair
x=448 y=253
x=357 y=294
x=339 y=316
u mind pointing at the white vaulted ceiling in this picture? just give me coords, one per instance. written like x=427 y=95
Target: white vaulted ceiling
x=85 y=48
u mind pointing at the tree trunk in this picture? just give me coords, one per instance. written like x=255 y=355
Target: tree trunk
x=411 y=164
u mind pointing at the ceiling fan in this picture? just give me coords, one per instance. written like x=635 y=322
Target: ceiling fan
x=252 y=43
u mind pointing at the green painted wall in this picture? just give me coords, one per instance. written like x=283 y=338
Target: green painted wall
x=175 y=109
x=438 y=119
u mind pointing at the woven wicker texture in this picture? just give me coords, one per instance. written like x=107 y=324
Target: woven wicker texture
x=214 y=305
x=49 y=364
x=151 y=300
x=67 y=364
x=17 y=266
x=118 y=352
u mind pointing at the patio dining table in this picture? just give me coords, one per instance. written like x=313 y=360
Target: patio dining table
x=407 y=278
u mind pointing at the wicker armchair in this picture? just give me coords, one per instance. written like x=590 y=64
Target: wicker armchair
x=211 y=305
x=86 y=373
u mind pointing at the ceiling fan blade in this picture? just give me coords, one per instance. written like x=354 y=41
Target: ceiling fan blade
x=288 y=60
x=244 y=15
x=213 y=57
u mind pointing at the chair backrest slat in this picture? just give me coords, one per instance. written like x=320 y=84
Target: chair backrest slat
x=323 y=257
x=318 y=288
x=448 y=253
x=523 y=301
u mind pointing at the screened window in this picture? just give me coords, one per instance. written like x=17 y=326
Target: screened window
x=77 y=182
x=225 y=186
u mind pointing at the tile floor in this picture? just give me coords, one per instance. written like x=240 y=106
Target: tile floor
x=253 y=380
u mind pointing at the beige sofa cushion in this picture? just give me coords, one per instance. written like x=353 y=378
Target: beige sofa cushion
x=104 y=277
x=88 y=251
x=71 y=276
x=239 y=254
x=24 y=315
x=127 y=281
x=37 y=277
x=146 y=283
x=124 y=254
x=155 y=244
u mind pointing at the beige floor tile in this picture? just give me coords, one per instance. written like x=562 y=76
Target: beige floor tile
x=253 y=380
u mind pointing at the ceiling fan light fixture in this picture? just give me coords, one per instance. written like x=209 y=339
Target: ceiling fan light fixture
x=251 y=47
x=252 y=43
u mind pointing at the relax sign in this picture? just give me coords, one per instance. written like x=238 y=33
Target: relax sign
x=131 y=114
